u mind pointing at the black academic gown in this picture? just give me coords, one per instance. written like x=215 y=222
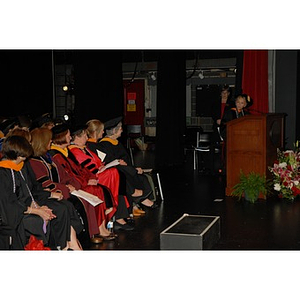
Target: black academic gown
x=230 y=115
x=17 y=188
x=14 y=201
x=11 y=211
x=51 y=178
x=216 y=114
x=134 y=180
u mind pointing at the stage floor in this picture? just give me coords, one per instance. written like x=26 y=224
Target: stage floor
x=271 y=224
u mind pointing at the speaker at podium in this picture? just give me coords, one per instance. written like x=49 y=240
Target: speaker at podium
x=251 y=145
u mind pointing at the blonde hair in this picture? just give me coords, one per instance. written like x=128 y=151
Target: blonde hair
x=40 y=138
x=94 y=127
x=241 y=97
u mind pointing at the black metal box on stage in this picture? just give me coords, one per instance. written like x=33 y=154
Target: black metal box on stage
x=191 y=232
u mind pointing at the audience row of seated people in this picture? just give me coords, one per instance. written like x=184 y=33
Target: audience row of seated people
x=40 y=169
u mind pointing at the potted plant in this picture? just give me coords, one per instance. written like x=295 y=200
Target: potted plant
x=250 y=186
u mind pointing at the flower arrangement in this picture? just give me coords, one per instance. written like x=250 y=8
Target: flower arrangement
x=286 y=173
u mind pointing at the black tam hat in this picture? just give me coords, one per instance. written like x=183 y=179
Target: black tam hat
x=78 y=129
x=249 y=100
x=112 y=123
x=57 y=129
x=41 y=120
x=8 y=124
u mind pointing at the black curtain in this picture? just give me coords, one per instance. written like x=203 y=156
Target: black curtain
x=98 y=85
x=298 y=99
x=171 y=108
x=239 y=72
x=26 y=82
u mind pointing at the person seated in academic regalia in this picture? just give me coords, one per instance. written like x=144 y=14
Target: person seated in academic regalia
x=98 y=215
x=26 y=207
x=54 y=178
x=108 y=178
x=139 y=191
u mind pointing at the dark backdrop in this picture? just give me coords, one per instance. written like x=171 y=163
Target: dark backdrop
x=98 y=85
x=26 y=82
x=27 y=87
x=298 y=97
x=171 y=108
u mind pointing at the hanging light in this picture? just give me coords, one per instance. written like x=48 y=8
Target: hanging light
x=201 y=76
x=153 y=77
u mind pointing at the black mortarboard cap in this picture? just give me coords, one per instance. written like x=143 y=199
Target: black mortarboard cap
x=112 y=123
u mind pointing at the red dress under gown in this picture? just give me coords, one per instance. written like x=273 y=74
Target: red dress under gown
x=90 y=161
x=82 y=176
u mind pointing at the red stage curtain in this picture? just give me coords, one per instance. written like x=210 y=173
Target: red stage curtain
x=255 y=79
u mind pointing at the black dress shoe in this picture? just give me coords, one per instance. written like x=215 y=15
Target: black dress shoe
x=118 y=226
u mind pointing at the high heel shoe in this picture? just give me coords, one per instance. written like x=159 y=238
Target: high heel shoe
x=141 y=198
x=153 y=206
x=126 y=226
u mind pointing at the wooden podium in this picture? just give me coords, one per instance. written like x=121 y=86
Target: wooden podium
x=251 y=145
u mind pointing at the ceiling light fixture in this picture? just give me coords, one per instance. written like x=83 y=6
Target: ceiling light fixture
x=201 y=76
x=153 y=77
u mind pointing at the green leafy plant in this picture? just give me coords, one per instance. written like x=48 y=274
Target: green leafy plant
x=250 y=186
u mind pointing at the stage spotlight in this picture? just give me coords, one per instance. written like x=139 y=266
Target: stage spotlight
x=66 y=117
x=65 y=88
